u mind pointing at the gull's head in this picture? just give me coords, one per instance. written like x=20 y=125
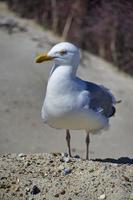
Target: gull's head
x=63 y=53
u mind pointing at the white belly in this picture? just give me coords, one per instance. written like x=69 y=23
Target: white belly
x=76 y=120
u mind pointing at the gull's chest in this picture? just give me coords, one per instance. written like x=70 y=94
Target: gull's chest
x=61 y=97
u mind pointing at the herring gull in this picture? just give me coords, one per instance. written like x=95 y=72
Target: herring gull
x=71 y=103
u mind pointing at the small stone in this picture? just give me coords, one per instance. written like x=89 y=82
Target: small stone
x=20 y=155
x=27 y=164
x=55 y=154
x=105 y=168
x=93 y=179
x=21 y=194
x=46 y=174
x=35 y=190
x=91 y=170
x=13 y=194
x=77 y=156
x=56 y=195
x=64 y=154
x=31 y=198
x=28 y=183
x=3 y=177
x=51 y=161
x=126 y=178
x=13 y=182
x=17 y=189
x=27 y=189
x=65 y=159
x=63 y=192
x=102 y=196
x=46 y=190
x=67 y=171
x=3 y=186
x=114 y=164
x=18 y=180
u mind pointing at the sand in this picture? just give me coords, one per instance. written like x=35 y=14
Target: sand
x=55 y=176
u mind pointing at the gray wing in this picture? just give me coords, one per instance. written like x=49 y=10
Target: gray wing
x=101 y=99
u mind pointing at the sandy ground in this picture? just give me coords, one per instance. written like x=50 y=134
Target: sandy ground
x=22 y=89
x=54 y=176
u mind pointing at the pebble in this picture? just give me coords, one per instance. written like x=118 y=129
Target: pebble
x=51 y=161
x=20 y=155
x=27 y=189
x=126 y=178
x=64 y=154
x=65 y=159
x=18 y=180
x=56 y=154
x=31 y=198
x=102 y=196
x=4 y=186
x=61 y=167
x=115 y=164
x=3 y=177
x=27 y=163
x=17 y=189
x=63 y=192
x=67 y=171
x=35 y=190
x=56 y=195
x=91 y=170
x=104 y=168
x=77 y=156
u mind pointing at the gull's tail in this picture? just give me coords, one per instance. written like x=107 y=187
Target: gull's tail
x=118 y=101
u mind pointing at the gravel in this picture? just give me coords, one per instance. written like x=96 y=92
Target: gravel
x=49 y=176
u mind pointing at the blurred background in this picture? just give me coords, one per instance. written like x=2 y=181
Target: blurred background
x=103 y=29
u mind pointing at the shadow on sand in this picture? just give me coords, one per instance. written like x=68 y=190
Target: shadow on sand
x=121 y=160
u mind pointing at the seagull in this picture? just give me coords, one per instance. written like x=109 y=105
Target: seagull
x=72 y=103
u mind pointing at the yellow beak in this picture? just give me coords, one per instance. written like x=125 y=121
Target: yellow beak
x=43 y=57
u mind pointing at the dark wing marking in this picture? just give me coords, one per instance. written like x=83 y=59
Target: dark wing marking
x=101 y=99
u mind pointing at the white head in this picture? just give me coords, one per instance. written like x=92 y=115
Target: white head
x=63 y=53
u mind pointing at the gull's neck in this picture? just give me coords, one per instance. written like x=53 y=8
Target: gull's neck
x=63 y=70
x=60 y=80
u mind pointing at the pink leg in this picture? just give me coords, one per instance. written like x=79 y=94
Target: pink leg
x=87 y=145
x=68 y=138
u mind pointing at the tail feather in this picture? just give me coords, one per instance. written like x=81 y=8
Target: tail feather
x=118 y=101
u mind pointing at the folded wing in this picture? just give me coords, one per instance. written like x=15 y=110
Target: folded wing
x=101 y=99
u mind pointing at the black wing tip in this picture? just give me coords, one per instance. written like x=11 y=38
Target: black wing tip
x=113 y=111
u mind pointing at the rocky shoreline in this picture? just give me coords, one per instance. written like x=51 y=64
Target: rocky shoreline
x=56 y=176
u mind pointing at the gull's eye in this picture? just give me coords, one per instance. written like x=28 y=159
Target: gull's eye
x=63 y=52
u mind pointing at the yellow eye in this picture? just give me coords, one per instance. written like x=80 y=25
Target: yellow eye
x=63 y=52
